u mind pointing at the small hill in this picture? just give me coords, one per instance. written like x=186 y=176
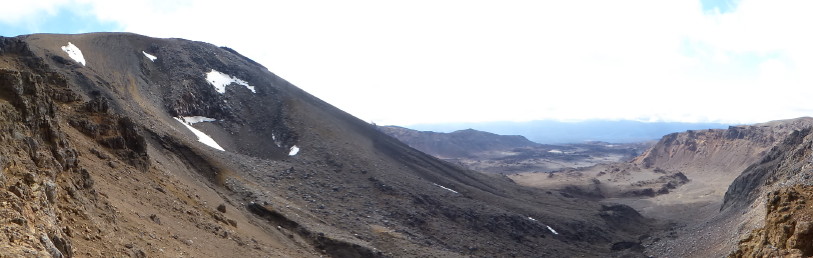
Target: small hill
x=458 y=144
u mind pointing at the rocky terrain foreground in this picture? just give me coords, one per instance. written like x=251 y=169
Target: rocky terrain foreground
x=115 y=145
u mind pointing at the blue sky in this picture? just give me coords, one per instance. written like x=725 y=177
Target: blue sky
x=722 y=6
x=474 y=60
x=62 y=19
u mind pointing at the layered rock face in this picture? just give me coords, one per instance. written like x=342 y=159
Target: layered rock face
x=41 y=174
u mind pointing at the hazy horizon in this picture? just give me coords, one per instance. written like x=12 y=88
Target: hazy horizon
x=557 y=132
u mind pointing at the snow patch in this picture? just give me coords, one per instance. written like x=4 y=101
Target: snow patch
x=151 y=57
x=555 y=151
x=294 y=151
x=448 y=189
x=202 y=137
x=552 y=231
x=74 y=53
x=531 y=219
x=197 y=119
x=221 y=80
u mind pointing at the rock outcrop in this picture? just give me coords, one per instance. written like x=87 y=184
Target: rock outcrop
x=788 y=229
x=40 y=170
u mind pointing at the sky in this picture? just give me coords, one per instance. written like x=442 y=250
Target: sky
x=419 y=61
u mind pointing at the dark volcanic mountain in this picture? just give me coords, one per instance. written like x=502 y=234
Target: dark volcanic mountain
x=123 y=145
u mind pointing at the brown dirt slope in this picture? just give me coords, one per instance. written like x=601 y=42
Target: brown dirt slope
x=95 y=165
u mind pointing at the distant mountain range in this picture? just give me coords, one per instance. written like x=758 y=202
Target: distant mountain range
x=507 y=154
x=556 y=132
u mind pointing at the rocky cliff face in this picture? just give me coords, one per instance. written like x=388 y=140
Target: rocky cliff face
x=41 y=173
x=778 y=185
x=135 y=146
x=784 y=165
x=726 y=151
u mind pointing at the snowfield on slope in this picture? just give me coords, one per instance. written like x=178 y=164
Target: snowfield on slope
x=221 y=80
x=74 y=53
x=552 y=231
x=151 y=57
x=197 y=119
x=446 y=188
x=202 y=137
x=294 y=151
x=549 y=228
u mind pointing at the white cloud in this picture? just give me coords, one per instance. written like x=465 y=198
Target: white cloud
x=15 y=12
x=443 y=61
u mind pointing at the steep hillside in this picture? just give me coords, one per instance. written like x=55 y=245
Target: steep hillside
x=124 y=145
x=779 y=187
